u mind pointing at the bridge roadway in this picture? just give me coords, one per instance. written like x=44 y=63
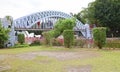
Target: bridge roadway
x=37 y=29
x=33 y=29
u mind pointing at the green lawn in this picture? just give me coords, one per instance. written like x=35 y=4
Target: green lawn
x=108 y=61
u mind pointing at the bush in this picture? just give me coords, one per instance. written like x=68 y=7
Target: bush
x=68 y=38
x=35 y=43
x=21 y=38
x=47 y=36
x=99 y=36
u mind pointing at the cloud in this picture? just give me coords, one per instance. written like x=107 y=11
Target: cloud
x=19 y=8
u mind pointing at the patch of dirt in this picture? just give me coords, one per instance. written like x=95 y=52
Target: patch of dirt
x=26 y=56
x=2 y=57
x=82 y=68
x=60 y=55
x=69 y=55
x=2 y=68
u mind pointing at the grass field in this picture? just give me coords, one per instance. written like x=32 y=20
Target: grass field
x=43 y=59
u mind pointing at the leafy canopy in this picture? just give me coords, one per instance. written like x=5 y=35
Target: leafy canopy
x=61 y=25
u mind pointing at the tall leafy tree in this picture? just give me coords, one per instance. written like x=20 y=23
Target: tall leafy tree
x=104 y=13
x=80 y=17
x=107 y=12
x=63 y=24
x=87 y=14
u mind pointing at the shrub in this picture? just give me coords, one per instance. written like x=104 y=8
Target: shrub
x=47 y=36
x=21 y=38
x=56 y=33
x=99 y=36
x=68 y=38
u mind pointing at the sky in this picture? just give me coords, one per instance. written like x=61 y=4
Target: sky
x=19 y=8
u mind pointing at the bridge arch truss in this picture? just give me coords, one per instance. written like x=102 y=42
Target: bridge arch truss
x=32 y=19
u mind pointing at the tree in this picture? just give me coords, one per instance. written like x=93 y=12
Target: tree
x=9 y=18
x=3 y=35
x=87 y=14
x=107 y=12
x=104 y=13
x=63 y=24
x=59 y=27
x=99 y=36
x=79 y=17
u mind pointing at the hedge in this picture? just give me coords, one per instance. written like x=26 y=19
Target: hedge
x=21 y=38
x=99 y=36
x=68 y=38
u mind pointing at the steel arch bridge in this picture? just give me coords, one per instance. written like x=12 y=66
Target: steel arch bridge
x=45 y=20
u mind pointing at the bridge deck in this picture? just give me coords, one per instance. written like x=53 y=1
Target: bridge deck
x=39 y=29
x=33 y=29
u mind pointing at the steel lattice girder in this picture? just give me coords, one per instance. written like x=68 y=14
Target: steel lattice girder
x=29 y=20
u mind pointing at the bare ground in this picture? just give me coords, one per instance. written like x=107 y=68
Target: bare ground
x=60 y=55
x=83 y=68
x=2 y=68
